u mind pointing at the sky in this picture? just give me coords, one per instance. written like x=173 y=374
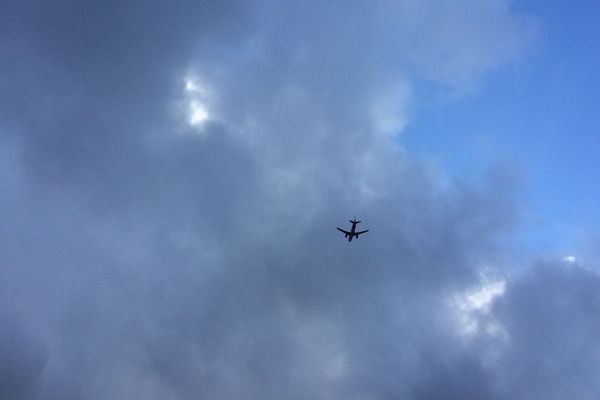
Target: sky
x=172 y=175
x=540 y=115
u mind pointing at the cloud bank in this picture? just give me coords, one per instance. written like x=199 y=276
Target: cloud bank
x=172 y=177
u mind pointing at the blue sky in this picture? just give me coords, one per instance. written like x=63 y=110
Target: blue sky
x=539 y=113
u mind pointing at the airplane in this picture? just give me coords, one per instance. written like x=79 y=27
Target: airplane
x=352 y=232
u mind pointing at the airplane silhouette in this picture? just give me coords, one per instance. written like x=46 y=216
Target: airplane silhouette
x=352 y=232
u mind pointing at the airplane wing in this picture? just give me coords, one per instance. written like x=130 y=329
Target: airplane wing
x=345 y=232
x=361 y=232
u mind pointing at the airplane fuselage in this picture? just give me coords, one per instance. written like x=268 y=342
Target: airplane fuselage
x=352 y=231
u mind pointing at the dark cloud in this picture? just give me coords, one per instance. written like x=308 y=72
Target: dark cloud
x=154 y=259
x=552 y=317
x=22 y=360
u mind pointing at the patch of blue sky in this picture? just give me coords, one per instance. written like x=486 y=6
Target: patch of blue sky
x=540 y=113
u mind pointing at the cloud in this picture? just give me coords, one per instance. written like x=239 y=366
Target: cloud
x=551 y=315
x=23 y=360
x=150 y=261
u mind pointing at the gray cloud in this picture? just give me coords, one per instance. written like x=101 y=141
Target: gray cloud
x=552 y=317
x=153 y=259
x=22 y=361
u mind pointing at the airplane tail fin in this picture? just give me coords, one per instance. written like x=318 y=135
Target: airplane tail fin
x=354 y=221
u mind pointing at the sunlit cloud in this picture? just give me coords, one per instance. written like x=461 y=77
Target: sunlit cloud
x=197 y=113
x=196 y=102
x=191 y=86
x=475 y=303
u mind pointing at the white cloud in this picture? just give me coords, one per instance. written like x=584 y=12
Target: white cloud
x=197 y=98
x=475 y=303
x=197 y=113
